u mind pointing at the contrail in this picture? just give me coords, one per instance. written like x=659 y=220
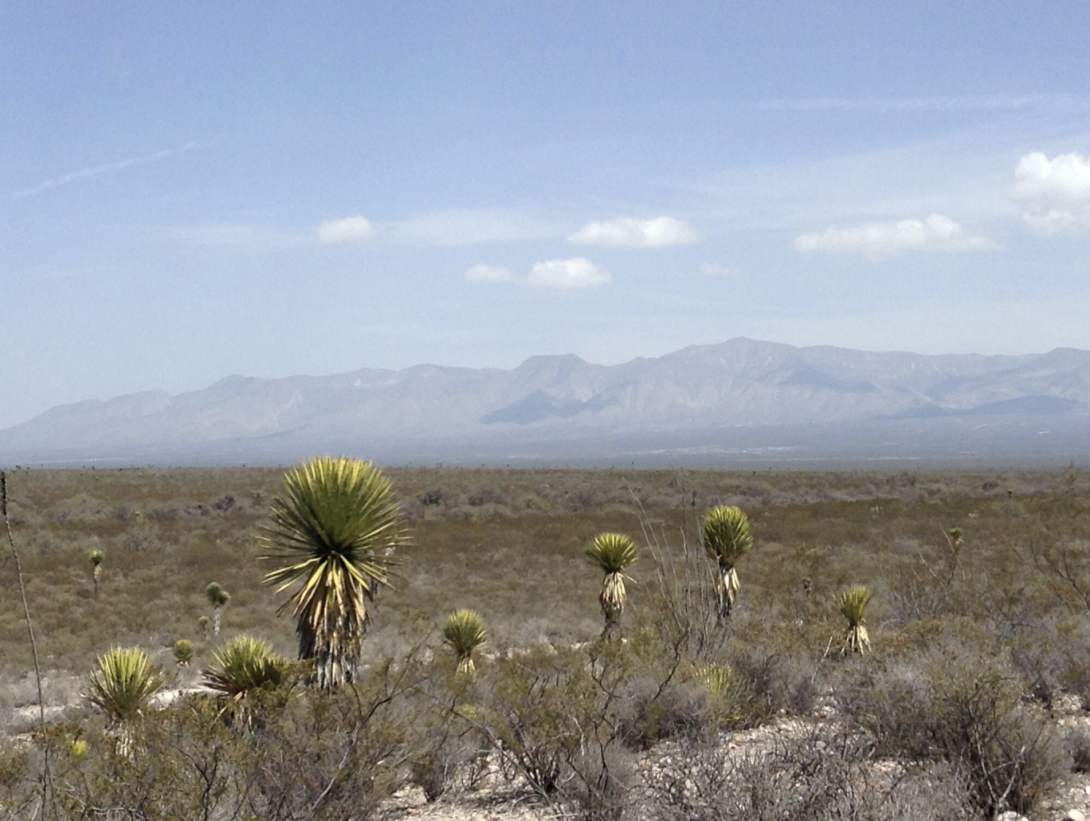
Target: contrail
x=86 y=173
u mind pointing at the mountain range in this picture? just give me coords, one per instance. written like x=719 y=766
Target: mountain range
x=741 y=397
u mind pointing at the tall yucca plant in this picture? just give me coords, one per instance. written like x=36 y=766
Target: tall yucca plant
x=612 y=553
x=464 y=632
x=334 y=529
x=218 y=598
x=96 y=557
x=727 y=538
x=853 y=605
x=124 y=684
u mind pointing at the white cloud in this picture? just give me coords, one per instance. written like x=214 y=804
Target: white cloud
x=567 y=273
x=98 y=170
x=489 y=273
x=881 y=240
x=1054 y=194
x=349 y=229
x=660 y=232
x=713 y=269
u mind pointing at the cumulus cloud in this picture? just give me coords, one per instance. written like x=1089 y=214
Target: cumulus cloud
x=489 y=273
x=349 y=229
x=567 y=273
x=1054 y=194
x=877 y=241
x=660 y=232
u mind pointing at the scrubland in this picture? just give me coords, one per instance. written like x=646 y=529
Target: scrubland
x=979 y=643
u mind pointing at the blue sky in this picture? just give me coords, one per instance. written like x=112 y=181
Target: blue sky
x=194 y=190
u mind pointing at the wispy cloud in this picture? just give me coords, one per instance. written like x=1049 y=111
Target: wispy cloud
x=349 y=229
x=1054 y=194
x=715 y=269
x=877 y=241
x=892 y=105
x=253 y=237
x=467 y=226
x=99 y=170
x=660 y=232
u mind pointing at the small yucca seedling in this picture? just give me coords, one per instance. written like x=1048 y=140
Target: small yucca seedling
x=96 y=557
x=464 y=632
x=955 y=536
x=202 y=622
x=218 y=597
x=853 y=604
x=727 y=538
x=78 y=748
x=183 y=652
x=612 y=553
x=124 y=684
x=717 y=677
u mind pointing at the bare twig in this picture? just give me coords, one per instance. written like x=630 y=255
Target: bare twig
x=46 y=779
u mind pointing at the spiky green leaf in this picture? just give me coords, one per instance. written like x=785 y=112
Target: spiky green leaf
x=124 y=684
x=727 y=535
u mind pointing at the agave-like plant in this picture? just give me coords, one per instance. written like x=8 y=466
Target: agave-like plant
x=335 y=531
x=612 y=553
x=183 y=652
x=464 y=632
x=717 y=677
x=853 y=605
x=727 y=538
x=243 y=665
x=96 y=557
x=124 y=684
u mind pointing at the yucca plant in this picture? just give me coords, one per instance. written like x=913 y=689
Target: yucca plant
x=853 y=604
x=124 y=684
x=202 y=623
x=717 y=677
x=183 y=652
x=217 y=597
x=96 y=557
x=612 y=553
x=464 y=632
x=241 y=667
x=335 y=529
x=727 y=538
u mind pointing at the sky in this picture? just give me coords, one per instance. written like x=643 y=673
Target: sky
x=190 y=191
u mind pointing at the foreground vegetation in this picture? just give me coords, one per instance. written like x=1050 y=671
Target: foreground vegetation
x=970 y=595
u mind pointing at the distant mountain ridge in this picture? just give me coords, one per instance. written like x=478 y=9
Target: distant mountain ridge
x=736 y=384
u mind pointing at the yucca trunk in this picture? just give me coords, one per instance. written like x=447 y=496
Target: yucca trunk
x=612 y=600
x=336 y=645
x=726 y=590
x=215 y=621
x=96 y=575
x=466 y=667
x=857 y=640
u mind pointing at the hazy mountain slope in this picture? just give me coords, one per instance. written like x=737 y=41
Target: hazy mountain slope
x=737 y=383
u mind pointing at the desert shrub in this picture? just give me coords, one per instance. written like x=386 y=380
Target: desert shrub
x=817 y=777
x=1078 y=748
x=966 y=711
x=549 y=714
x=650 y=713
